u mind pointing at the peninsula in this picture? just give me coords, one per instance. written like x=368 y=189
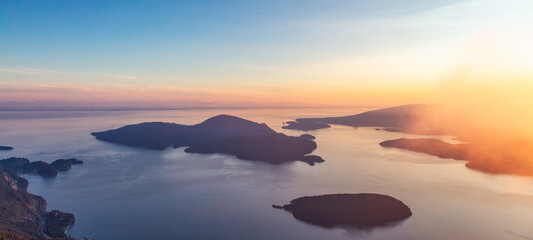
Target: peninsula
x=481 y=157
x=24 y=215
x=434 y=147
x=400 y=118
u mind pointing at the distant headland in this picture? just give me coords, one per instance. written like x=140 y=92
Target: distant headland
x=506 y=153
x=479 y=157
x=399 y=118
x=224 y=134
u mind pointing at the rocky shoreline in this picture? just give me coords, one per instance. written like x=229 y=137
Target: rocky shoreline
x=27 y=215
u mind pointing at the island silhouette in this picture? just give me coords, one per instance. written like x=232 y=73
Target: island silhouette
x=24 y=166
x=224 y=134
x=6 y=148
x=362 y=210
x=305 y=125
x=474 y=153
x=400 y=118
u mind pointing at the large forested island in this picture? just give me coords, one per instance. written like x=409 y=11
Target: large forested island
x=24 y=215
x=363 y=210
x=225 y=134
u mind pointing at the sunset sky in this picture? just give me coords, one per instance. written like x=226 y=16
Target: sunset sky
x=157 y=54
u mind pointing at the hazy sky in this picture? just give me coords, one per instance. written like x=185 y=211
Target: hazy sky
x=101 y=54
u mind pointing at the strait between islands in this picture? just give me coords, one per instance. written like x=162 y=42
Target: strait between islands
x=249 y=140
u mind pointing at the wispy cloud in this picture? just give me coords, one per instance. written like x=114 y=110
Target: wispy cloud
x=49 y=71
x=116 y=76
x=16 y=71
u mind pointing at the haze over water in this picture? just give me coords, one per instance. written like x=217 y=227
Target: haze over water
x=127 y=193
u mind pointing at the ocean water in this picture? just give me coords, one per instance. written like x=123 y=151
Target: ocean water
x=126 y=193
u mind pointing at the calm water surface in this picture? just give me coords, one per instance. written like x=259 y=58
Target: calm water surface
x=127 y=193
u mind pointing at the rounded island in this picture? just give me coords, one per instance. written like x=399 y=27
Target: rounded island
x=355 y=210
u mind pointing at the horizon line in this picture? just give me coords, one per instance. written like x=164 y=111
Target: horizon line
x=169 y=108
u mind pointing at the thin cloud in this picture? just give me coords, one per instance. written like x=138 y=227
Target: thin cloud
x=116 y=76
x=16 y=71
x=48 y=71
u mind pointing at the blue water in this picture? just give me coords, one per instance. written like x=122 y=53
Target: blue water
x=127 y=193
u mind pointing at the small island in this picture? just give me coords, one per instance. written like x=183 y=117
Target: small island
x=24 y=166
x=224 y=134
x=305 y=125
x=363 y=210
x=6 y=148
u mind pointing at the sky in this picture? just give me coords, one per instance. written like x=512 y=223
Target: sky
x=209 y=54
